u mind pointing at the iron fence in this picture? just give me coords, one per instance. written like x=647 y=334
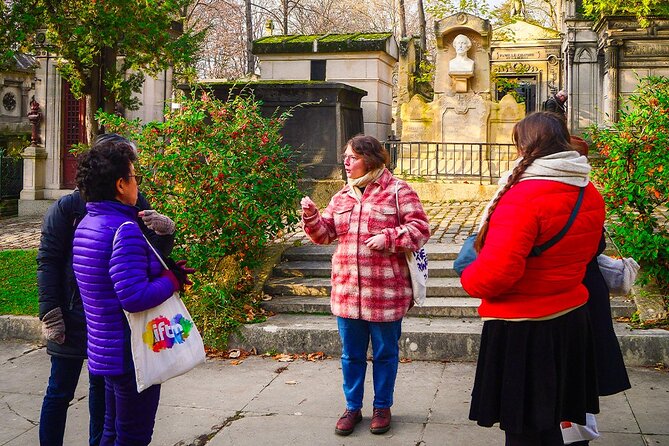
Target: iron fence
x=11 y=177
x=451 y=160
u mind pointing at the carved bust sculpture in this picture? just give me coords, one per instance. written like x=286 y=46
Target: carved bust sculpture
x=461 y=64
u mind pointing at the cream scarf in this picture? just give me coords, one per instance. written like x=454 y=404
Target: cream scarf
x=363 y=181
x=567 y=167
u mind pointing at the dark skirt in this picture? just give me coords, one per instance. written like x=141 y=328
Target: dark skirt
x=532 y=375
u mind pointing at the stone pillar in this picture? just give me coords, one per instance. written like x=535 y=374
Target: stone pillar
x=611 y=60
x=34 y=157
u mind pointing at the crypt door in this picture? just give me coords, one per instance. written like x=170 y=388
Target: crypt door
x=74 y=132
x=526 y=88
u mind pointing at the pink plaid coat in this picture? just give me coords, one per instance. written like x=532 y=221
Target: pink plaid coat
x=368 y=284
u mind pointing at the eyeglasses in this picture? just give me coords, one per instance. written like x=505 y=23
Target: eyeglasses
x=138 y=178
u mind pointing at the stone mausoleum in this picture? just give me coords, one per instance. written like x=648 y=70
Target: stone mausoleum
x=362 y=60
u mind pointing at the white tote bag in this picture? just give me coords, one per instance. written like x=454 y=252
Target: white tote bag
x=417 y=262
x=164 y=340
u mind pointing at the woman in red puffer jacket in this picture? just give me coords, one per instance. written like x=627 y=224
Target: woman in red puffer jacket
x=536 y=361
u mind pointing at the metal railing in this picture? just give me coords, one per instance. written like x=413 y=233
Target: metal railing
x=451 y=160
x=11 y=177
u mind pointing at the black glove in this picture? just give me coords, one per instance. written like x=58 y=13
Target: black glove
x=180 y=271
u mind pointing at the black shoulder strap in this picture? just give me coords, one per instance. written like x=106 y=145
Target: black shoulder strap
x=538 y=250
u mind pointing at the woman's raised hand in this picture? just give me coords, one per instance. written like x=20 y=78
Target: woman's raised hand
x=308 y=207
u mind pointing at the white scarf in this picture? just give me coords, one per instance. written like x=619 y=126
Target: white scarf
x=567 y=167
x=363 y=181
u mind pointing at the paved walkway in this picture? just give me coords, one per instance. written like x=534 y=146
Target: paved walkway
x=450 y=221
x=20 y=232
x=262 y=401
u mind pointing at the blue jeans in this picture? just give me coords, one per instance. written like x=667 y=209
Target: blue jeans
x=355 y=335
x=130 y=416
x=60 y=392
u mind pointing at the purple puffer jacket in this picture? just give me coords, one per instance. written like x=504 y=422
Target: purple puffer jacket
x=125 y=276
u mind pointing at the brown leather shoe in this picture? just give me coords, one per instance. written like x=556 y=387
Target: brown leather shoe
x=380 y=421
x=347 y=422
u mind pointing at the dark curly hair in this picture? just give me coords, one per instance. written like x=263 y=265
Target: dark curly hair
x=98 y=169
x=371 y=150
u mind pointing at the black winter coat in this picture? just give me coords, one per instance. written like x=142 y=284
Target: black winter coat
x=57 y=286
x=611 y=374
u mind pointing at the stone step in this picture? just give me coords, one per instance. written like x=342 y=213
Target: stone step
x=435 y=251
x=323 y=268
x=433 y=307
x=429 y=339
x=320 y=286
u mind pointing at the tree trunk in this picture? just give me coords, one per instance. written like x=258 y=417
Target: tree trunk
x=285 y=17
x=421 y=22
x=403 y=19
x=92 y=101
x=107 y=98
x=250 y=60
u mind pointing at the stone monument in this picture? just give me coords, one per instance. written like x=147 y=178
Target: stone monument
x=461 y=106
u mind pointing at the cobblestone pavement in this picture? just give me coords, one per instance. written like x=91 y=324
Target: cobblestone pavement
x=451 y=222
x=20 y=233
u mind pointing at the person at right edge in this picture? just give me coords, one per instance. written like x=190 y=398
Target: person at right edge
x=611 y=373
x=536 y=364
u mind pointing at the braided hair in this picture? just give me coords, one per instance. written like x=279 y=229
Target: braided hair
x=537 y=135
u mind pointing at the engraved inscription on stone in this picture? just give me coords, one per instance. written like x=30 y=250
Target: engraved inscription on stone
x=651 y=49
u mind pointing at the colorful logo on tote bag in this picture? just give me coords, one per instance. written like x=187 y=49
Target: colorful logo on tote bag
x=162 y=333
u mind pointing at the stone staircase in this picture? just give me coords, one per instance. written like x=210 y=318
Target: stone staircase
x=445 y=328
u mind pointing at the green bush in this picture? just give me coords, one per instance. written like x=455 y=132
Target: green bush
x=635 y=178
x=220 y=171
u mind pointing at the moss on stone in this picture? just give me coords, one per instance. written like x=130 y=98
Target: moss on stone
x=259 y=82
x=325 y=43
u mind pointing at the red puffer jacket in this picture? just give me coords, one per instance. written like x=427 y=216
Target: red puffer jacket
x=513 y=285
x=369 y=284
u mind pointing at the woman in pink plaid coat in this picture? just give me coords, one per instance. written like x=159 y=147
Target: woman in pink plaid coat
x=371 y=286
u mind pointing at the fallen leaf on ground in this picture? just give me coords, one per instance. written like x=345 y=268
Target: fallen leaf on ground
x=318 y=356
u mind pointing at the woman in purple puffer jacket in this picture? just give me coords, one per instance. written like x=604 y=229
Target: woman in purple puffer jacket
x=117 y=270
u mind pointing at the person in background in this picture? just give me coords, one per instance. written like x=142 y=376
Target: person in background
x=62 y=313
x=116 y=270
x=371 y=286
x=536 y=364
x=557 y=103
